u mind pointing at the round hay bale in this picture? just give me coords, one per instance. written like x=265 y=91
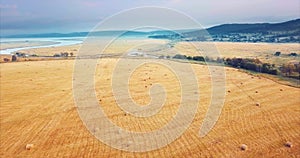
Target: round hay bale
x=256 y=91
x=29 y=146
x=289 y=144
x=281 y=89
x=257 y=104
x=228 y=91
x=244 y=147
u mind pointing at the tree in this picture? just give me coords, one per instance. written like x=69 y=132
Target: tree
x=277 y=53
x=220 y=60
x=198 y=58
x=265 y=68
x=228 y=61
x=287 y=69
x=250 y=66
x=14 y=58
x=56 y=55
x=179 y=56
x=291 y=68
x=189 y=57
x=65 y=54
x=297 y=68
x=236 y=62
x=6 y=60
x=71 y=54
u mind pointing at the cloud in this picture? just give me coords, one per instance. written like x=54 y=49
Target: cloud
x=32 y=15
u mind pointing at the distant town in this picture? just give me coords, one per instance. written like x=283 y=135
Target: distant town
x=247 y=37
x=286 y=32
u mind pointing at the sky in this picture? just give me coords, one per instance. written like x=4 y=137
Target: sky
x=64 y=16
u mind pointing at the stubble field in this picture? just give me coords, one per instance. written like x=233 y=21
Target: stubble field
x=37 y=107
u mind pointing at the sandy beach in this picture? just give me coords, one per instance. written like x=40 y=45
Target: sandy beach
x=25 y=43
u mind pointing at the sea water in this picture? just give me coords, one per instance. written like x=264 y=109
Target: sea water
x=63 y=41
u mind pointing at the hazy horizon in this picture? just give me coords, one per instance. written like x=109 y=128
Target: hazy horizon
x=31 y=17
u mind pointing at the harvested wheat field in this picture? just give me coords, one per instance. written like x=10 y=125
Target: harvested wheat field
x=39 y=118
x=262 y=51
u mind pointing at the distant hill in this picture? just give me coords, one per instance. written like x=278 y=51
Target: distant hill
x=262 y=32
x=290 y=26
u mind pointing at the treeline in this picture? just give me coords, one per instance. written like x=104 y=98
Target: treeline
x=196 y=58
x=291 y=70
x=252 y=64
x=63 y=54
x=288 y=70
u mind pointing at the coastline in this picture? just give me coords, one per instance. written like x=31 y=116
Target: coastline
x=35 y=43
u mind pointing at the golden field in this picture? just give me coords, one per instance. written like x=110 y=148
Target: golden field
x=37 y=107
x=263 y=51
x=37 y=104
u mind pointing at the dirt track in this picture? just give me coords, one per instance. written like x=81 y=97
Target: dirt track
x=37 y=108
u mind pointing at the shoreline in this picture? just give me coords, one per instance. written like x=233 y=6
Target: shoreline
x=51 y=42
x=23 y=44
